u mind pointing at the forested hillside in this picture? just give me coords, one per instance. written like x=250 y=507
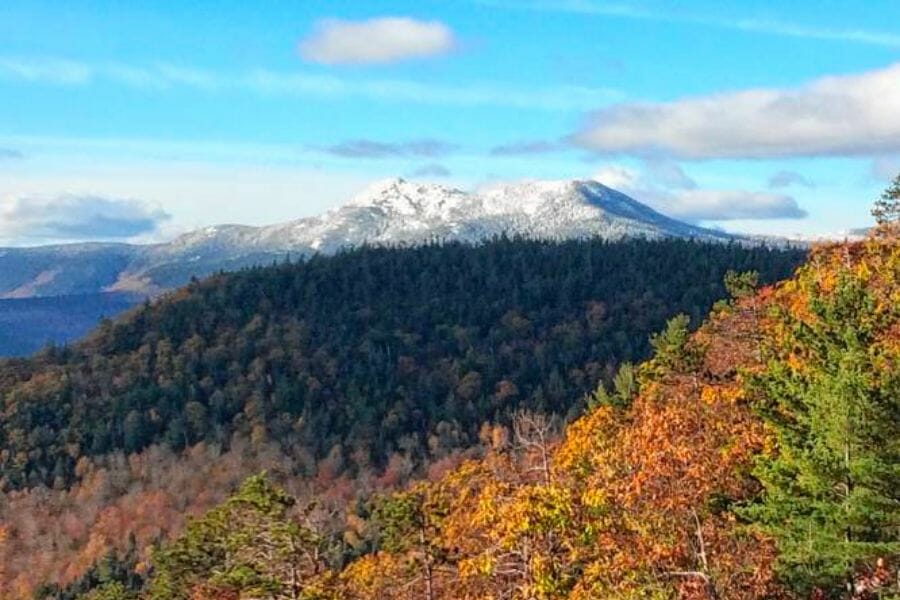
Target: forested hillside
x=756 y=458
x=347 y=375
x=360 y=355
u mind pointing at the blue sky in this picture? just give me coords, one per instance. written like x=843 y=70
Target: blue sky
x=752 y=116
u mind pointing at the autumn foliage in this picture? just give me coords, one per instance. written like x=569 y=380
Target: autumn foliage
x=756 y=458
x=662 y=498
x=635 y=502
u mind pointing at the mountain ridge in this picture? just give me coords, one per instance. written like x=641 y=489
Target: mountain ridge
x=389 y=212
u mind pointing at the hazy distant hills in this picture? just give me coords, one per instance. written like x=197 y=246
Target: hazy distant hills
x=28 y=324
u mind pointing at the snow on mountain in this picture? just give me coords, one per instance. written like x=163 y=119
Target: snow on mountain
x=391 y=212
x=396 y=211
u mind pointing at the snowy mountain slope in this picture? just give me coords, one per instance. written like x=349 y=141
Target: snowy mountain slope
x=391 y=212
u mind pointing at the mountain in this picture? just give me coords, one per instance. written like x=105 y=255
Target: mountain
x=62 y=270
x=392 y=212
x=351 y=372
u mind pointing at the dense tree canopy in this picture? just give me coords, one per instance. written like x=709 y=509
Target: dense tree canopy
x=782 y=409
x=756 y=457
x=354 y=358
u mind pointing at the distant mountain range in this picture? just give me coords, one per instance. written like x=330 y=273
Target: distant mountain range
x=59 y=293
x=392 y=212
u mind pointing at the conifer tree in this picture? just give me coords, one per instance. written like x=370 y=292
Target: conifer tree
x=249 y=546
x=672 y=352
x=832 y=488
x=408 y=524
x=887 y=208
x=741 y=285
x=109 y=591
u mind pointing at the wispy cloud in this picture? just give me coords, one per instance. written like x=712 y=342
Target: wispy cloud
x=565 y=97
x=850 y=115
x=363 y=148
x=752 y=25
x=161 y=76
x=376 y=41
x=65 y=72
x=11 y=154
x=783 y=179
x=526 y=147
x=55 y=71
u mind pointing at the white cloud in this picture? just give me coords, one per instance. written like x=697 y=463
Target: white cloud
x=160 y=77
x=730 y=205
x=668 y=174
x=837 y=116
x=680 y=198
x=72 y=217
x=376 y=41
x=198 y=183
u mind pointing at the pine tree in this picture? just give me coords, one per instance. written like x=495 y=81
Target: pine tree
x=832 y=489
x=741 y=285
x=109 y=591
x=409 y=524
x=249 y=545
x=672 y=351
x=887 y=208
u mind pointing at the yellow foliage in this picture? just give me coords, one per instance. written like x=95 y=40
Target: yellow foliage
x=630 y=491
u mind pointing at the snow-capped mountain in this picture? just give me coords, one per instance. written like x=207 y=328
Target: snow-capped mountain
x=393 y=212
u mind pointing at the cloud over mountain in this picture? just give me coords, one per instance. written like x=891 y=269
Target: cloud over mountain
x=665 y=187
x=727 y=205
x=376 y=41
x=850 y=115
x=73 y=217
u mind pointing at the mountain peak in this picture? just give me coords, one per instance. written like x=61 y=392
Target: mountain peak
x=397 y=195
x=381 y=186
